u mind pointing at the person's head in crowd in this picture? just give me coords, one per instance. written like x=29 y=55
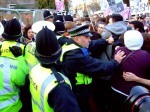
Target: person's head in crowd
x=78 y=22
x=102 y=19
x=81 y=35
x=142 y=18
x=64 y=12
x=133 y=18
x=137 y=25
x=59 y=28
x=48 y=16
x=68 y=26
x=86 y=15
x=47 y=51
x=58 y=18
x=82 y=20
x=100 y=27
x=22 y=27
x=28 y=33
x=146 y=44
x=54 y=14
x=95 y=18
x=12 y=30
x=59 y=13
x=68 y=18
x=93 y=31
x=133 y=40
x=74 y=15
x=3 y=22
x=115 y=18
x=87 y=20
x=78 y=16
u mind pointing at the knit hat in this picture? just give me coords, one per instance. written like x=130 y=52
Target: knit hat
x=48 y=49
x=1 y=28
x=133 y=40
x=12 y=30
x=36 y=27
x=59 y=27
x=47 y=14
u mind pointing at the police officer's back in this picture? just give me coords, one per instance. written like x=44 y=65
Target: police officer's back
x=50 y=90
x=13 y=68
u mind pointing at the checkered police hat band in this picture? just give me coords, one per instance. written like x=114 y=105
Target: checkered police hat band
x=80 y=32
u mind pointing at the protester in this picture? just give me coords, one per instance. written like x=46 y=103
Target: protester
x=48 y=16
x=100 y=27
x=59 y=32
x=137 y=25
x=28 y=35
x=117 y=28
x=128 y=76
x=68 y=26
x=136 y=61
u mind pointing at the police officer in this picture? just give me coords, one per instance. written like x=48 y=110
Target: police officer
x=13 y=68
x=50 y=90
x=48 y=16
x=81 y=67
x=30 y=47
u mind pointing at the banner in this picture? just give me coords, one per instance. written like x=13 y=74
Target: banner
x=59 y=5
x=139 y=6
x=116 y=6
x=125 y=13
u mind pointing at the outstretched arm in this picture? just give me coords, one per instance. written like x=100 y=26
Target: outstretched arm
x=128 y=76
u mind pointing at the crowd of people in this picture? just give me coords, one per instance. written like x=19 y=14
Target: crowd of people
x=73 y=64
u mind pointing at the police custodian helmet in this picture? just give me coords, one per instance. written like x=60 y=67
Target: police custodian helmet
x=12 y=30
x=48 y=49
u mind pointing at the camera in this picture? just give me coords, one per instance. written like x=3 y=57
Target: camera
x=138 y=100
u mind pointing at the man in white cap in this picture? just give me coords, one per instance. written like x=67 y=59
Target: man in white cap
x=136 y=61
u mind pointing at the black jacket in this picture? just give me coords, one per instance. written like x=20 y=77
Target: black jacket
x=76 y=61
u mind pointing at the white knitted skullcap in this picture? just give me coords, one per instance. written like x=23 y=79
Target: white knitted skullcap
x=133 y=40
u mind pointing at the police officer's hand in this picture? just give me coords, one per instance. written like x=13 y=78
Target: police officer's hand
x=16 y=51
x=119 y=56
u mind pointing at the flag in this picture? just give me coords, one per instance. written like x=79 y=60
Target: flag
x=126 y=13
x=59 y=5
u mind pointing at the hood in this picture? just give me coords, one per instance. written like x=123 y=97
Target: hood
x=117 y=28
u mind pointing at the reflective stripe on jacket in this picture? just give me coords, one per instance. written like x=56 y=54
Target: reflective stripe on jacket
x=11 y=75
x=80 y=78
x=42 y=82
x=12 y=72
